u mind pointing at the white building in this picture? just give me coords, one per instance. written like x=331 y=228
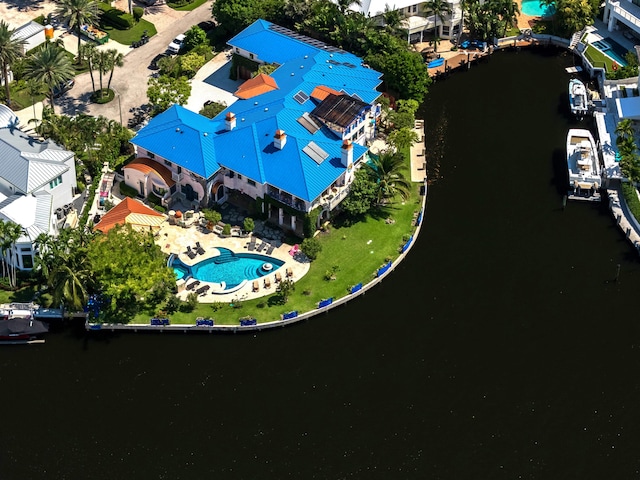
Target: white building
x=37 y=181
x=623 y=15
x=418 y=23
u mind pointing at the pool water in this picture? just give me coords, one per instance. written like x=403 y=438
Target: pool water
x=612 y=49
x=229 y=267
x=535 y=9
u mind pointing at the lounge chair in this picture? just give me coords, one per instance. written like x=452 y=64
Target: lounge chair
x=203 y=289
x=270 y=249
x=193 y=285
x=190 y=253
x=267 y=282
x=289 y=272
x=252 y=244
x=199 y=248
x=261 y=246
x=256 y=285
x=278 y=277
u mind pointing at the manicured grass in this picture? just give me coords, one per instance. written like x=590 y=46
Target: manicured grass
x=631 y=197
x=186 y=8
x=127 y=37
x=24 y=294
x=598 y=59
x=21 y=98
x=359 y=250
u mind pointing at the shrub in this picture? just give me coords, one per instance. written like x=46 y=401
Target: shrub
x=211 y=109
x=249 y=224
x=310 y=222
x=127 y=190
x=311 y=247
x=116 y=18
x=212 y=216
x=159 y=208
x=191 y=63
x=138 y=12
x=173 y=304
x=226 y=230
x=193 y=37
x=190 y=304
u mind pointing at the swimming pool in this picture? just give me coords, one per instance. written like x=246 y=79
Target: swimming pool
x=536 y=9
x=612 y=49
x=229 y=267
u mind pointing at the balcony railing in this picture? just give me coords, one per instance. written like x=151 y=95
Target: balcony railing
x=628 y=11
x=287 y=200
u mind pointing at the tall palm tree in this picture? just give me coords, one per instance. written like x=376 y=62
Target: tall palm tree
x=10 y=232
x=49 y=66
x=439 y=8
x=624 y=130
x=508 y=11
x=116 y=59
x=88 y=51
x=10 y=51
x=343 y=5
x=33 y=88
x=78 y=13
x=386 y=170
x=103 y=64
x=68 y=286
x=392 y=19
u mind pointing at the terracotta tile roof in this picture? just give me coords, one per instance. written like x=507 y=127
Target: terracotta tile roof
x=256 y=86
x=146 y=165
x=321 y=92
x=129 y=211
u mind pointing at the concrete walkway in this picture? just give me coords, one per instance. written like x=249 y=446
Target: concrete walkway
x=624 y=218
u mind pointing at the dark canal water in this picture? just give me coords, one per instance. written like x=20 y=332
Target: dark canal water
x=502 y=348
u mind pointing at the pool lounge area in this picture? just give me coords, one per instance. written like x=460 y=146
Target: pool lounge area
x=177 y=241
x=612 y=49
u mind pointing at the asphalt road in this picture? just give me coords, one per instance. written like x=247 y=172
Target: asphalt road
x=130 y=81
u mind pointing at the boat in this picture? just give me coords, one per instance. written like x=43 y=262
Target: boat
x=578 y=99
x=583 y=166
x=438 y=62
x=19 y=329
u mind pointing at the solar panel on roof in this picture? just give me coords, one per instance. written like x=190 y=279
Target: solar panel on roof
x=350 y=65
x=316 y=153
x=303 y=38
x=333 y=62
x=306 y=121
x=301 y=97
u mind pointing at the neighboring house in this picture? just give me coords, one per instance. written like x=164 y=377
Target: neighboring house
x=418 y=23
x=623 y=15
x=37 y=180
x=292 y=139
x=131 y=212
x=31 y=33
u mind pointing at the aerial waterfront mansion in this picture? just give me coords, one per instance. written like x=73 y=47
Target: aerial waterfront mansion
x=293 y=138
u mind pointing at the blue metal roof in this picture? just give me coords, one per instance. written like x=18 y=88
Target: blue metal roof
x=202 y=145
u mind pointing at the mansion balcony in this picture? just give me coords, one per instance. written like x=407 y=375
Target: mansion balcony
x=287 y=199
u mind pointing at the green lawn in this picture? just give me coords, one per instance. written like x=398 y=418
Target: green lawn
x=598 y=59
x=25 y=294
x=188 y=7
x=127 y=37
x=359 y=250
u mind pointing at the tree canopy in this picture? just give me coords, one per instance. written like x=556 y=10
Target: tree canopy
x=164 y=91
x=130 y=270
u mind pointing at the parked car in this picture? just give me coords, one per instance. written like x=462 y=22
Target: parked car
x=63 y=87
x=154 y=63
x=176 y=44
x=207 y=25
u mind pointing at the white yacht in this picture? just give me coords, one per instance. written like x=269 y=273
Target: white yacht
x=578 y=98
x=583 y=165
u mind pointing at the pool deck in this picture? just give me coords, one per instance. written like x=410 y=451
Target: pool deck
x=175 y=239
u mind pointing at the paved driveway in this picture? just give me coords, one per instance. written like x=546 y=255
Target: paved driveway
x=130 y=81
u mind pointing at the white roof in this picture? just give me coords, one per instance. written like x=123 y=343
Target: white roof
x=628 y=108
x=31 y=212
x=28 y=30
x=7 y=117
x=373 y=8
x=28 y=164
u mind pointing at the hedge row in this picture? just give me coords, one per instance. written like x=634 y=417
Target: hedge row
x=116 y=18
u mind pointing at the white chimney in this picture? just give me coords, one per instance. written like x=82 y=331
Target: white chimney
x=230 y=121
x=347 y=153
x=279 y=139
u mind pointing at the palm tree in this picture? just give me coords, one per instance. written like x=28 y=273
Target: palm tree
x=343 y=5
x=439 y=8
x=78 y=13
x=402 y=138
x=33 y=88
x=10 y=51
x=386 y=170
x=508 y=11
x=103 y=64
x=49 y=66
x=392 y=20
x=88 y=51
x=68 y=286
x=116 y=59
x=624 y=130
x=10 y=232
